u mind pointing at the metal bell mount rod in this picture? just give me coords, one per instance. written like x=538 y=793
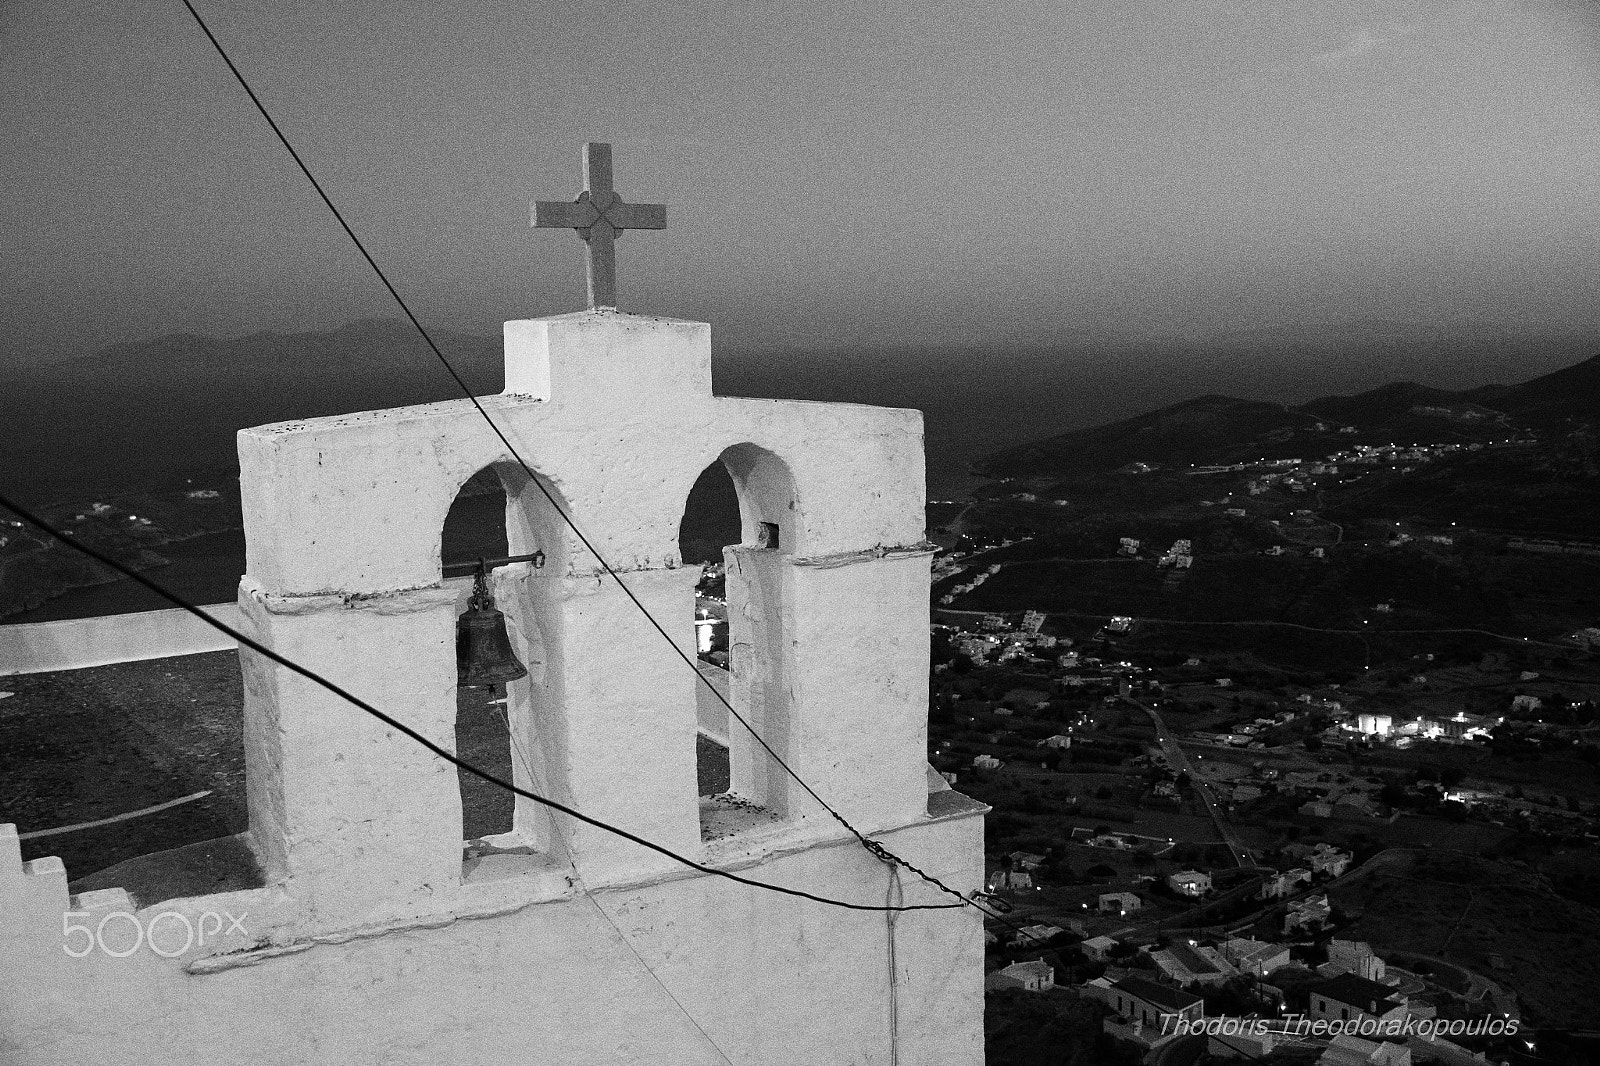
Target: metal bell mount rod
x=468 y=569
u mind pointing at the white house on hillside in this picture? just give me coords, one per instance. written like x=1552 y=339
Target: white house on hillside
x=1285 y=883
x=1098 y=948
x=1329 y=860
x=1348 y=998
x=1187 y=965
x=1352 y=956
x=1119 y=903
x=1255 y=956
x=1191 y=883
x=1036 y=976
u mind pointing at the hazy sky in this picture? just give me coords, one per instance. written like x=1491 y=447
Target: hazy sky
x=923 y=171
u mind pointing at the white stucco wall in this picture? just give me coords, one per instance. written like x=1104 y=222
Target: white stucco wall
x=771 y=979
x=76 y=643
x=354 y=504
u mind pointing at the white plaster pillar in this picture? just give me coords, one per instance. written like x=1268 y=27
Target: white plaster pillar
x=828 y=661
x=618 y=718
x=360 y=821
x=760 y=672
x=529 y=599
x=859 y=637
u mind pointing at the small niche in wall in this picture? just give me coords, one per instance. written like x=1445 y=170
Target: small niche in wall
x=767 y=536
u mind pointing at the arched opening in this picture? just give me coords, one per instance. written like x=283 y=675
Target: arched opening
x=710 y=523
x=739 y=524
x=499 y=515
x=476 y=525
x=475 y=528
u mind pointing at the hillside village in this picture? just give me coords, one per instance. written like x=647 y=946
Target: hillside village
x=1288 y=717
x=1168 y=841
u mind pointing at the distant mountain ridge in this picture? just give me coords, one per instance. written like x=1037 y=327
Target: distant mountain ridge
x=144 y=416
x=1214 y=428
x=137 y=416
x=1166 y=436
x=1571 y=392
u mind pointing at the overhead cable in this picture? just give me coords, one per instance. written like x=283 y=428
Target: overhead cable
x=448 y=756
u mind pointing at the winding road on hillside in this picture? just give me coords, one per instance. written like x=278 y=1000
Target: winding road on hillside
x=1479 y=987
x=1178 y=759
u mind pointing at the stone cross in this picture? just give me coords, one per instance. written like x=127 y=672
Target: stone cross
x=599 y=215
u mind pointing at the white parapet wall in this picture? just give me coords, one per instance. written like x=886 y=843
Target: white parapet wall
x=79 y=643
x=687 y=969
x=76 y=643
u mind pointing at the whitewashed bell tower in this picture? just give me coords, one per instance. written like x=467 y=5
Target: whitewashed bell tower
x=570 y=944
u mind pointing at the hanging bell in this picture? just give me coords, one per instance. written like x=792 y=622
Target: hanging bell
x=483 y=648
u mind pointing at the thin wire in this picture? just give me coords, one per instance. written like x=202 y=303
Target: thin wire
x=877 y=849
x=561 y=839
x=394 y=723
x=894 y=894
